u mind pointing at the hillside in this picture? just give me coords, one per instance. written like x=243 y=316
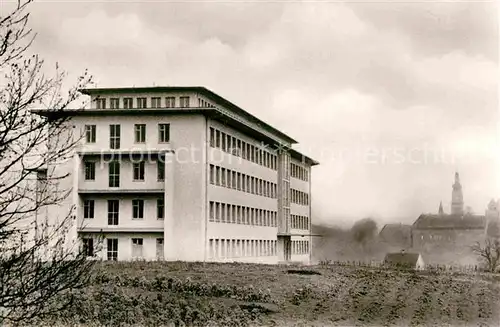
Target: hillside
x=158 y=294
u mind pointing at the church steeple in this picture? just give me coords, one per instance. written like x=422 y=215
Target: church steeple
x=441 y=211
x=457 y=198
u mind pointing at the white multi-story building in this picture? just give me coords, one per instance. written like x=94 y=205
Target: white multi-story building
x=180 y=173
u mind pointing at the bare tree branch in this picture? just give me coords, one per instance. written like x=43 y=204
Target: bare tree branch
x=489 y=253
x=39 y=264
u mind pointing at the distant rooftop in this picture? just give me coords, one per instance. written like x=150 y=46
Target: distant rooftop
x=402 y=258
x=426 y=221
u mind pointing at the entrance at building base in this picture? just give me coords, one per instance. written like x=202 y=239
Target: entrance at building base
x=284 y=248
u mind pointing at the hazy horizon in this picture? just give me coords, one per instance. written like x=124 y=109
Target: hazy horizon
x=390 y=98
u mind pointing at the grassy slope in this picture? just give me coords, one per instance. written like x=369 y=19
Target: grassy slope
x=158 y=293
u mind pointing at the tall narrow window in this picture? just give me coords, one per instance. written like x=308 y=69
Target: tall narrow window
x=212 y=174
x=127 y=103
x=137 y=248
x=137 y=209
x=163 y=133
x=184 y=102
x=101 y=103
x=113 y=212
x=88 y=209
x=139 y=171
x=88 y=247
x=156 y=102
x=217 y=138
x=211 y=216
x=114 y=103
x=141 y=103
x=114 y=136
x=140 y=133
x=160 y=165
x=160 y=208
x=159 y=249
x=212 y=137
x=90 y=133
x=89 y=170
x=114 y=174
x=170 y=102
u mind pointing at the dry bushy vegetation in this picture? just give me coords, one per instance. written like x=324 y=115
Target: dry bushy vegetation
x=198 y=294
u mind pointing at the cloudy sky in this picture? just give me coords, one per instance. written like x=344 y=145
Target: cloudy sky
x=391 y=97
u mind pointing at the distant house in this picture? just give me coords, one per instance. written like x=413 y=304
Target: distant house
x=405 y=260
x=397 y=235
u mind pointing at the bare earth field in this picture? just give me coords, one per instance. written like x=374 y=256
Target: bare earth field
x=176 y=293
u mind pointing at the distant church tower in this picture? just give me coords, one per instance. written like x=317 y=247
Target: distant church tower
x=457 y=198
x=441 y=211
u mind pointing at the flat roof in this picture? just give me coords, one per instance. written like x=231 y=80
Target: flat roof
x=199 y=89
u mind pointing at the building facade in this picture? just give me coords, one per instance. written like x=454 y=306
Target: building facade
x=447 y=238
x=180 y=173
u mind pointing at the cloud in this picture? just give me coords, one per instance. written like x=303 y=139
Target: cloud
x=391 y=98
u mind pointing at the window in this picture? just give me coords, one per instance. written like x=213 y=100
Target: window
x=212 y=211
x=140 y=133
x=114 y=174
x=159 y=249
x=114 y=136
x=170 y=102
x=137 y=209
x=160 y=165
x=163 y=133
x=88 y=247
x=184 y=102
x=101 y=103
x=137 y=248
x=114 y=103
x=89 y=170
x=212 y=137
x=127 y=103
x=156 y=102
x=160 y=208
x=113 y=212
x=90 y=133
x=212 y=173
x=141 y=103
x=139 y=171
x=112 y=249
x=88 y=209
